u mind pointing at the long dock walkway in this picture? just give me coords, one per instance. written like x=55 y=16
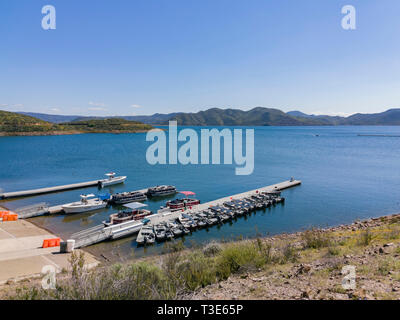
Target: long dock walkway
x=100 y=233
x=26 y=193
x=275 y=187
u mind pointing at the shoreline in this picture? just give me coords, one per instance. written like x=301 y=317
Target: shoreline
x=61 y=133
x=312 y=270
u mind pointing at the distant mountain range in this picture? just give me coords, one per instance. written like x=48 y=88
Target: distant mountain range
x=255 y=117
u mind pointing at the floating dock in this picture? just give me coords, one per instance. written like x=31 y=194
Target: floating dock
x=26 y=193
x=203 y=206
x=100 y=233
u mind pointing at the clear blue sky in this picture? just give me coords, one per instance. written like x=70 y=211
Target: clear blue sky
x=141 y=57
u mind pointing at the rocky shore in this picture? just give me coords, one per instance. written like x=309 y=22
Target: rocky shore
x=303 y=265
x=372 y=246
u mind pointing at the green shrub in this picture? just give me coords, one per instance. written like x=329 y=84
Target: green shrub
x=212 y=249
x=366 y=237
x=197 y=271
x=239 y=257
x=315 y=239
x=289 y=254
x=333 y=251
x=132 y=282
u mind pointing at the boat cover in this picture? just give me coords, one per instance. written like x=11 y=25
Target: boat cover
x=187 y=193
x=135 y=205
x=104 y=196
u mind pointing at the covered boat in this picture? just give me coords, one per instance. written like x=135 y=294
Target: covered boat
x=183 y=203
x=161 y=191
x=126 y=197
x=136 y=213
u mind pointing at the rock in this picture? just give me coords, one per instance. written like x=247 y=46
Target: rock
x=303 y=269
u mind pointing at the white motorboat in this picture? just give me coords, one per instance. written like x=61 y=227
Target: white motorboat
x=112 y=179
x=86 y=204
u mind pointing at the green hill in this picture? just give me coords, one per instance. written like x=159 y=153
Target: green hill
x=233 y=117
x=14 y=122
x=390 y=117
x=106 y=125
x=19 y=124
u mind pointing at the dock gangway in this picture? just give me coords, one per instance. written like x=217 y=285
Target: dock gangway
x=91 y=236
x=34 y=210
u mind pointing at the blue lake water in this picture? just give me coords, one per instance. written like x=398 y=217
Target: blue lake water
x=345 y=177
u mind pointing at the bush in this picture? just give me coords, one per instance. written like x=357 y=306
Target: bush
x=179 y=273
x=333 y=251
x=212 y=249
x=239 y=257
x=366 y=237
x=315 y=239
x=137 y=281
x=289 y=254
x=197 y=271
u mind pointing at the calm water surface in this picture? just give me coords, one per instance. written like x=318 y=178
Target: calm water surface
x=345 y=177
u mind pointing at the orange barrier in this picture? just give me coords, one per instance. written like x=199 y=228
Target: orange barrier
x=10 y=217
x=4 y=213
x=48 y=243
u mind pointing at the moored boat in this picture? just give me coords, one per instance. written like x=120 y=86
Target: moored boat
x=86 y=204
x=161 y=191
x=183 y=203
x=136 y=213
x=126 y=197
x=111 y=180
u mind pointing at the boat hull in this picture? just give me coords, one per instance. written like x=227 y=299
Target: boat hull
x=127 y=200
x=110 y=182
x=181 y=205
x=80 y=209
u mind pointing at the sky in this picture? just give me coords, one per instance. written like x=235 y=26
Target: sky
x=142 y=57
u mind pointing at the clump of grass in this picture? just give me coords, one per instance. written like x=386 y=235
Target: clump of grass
x=384 y=267
x=212 y=249
x=265 y=249
x=136 y=281
x=366 y=237
x=239 y=258
x=388 y=264
x=393 y=234
x=289 y=254
x=315 y=239
x=333 y=250
x=196 y=271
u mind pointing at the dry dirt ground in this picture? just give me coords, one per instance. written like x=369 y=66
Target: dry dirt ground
x=372 y=247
